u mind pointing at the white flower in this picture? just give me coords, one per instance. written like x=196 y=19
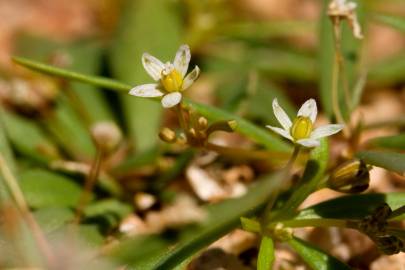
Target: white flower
x=171 y=78
x=301 y=131
x=346 y=10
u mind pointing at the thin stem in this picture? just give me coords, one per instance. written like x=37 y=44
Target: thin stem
x=180 y=116
x=284 y=173
x=335 y=73
x=321 y=222
x=90 y=182
x=22 y=205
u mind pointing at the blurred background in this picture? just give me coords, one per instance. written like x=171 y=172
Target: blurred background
x=249 y=52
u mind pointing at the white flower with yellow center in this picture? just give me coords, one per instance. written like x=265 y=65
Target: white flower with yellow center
x=346 y=10
x=301 y=131
x=171 y=78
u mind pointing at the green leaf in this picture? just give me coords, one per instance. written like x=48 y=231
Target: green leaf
x=392 y=142
x=265 y=258
x=113 y=211
x=46 y=189
x=7 y=156
x=38 y=147
x=139 y=33
x=313 y=174
x=314 y=257
x=53 y=218
x=388 y=160
x=391 y=20
x=352 y=206
x=244 y=127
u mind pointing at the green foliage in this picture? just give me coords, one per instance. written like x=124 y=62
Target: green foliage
x=314 y=257
x=46 y=189
x=265 y=258
x=391 y=142
x=388 y=160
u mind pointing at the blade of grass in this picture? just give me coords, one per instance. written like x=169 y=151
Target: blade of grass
x=244 y=127
x=316 y=258
x=391 y=20
x=265 y=258
x=388 y=160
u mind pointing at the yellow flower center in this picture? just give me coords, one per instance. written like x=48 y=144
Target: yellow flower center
x=301 y=128
x=173 y=81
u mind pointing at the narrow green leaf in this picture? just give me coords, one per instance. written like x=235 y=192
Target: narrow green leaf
x=391 y=20
x=38 y=147
x=8 y=157
x=265 y=258
x=313 y=174
x=388 y=160
x=145 y=26
x=392 y=142
x=352 y=206
x=244 y=127
x=46 y=189
x=314 y=257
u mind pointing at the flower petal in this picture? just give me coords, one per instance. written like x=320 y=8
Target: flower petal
x=281 y=115
x=153 y=66
x=146 y=90
x=281 y=131
x=182 y=59
x=308 y=142
x=309 y=109
x=171 y=99
x=190 y=78
x=326 y=130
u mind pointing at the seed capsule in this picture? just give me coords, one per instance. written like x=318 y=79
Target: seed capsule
x=351 y=177
x=389 y=245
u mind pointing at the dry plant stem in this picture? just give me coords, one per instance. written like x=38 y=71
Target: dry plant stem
x=89 y=184
x=22 y=205
x=335 y=72
x=284 y=173
x=76 y=102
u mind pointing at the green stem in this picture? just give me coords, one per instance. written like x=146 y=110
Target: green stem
x=181 y=118
x=323 y=222
x=284 y=173
x=90 y=182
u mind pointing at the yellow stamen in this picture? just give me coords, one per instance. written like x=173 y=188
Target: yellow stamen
x=301 y=128
x=173 y=81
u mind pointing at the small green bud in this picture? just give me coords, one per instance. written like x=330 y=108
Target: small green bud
x=301 y=128
x=227 y=126
x=351 y=177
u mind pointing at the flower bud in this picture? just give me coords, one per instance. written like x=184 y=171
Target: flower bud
x=351 y=177
x=202 y=123
x=167 y=135
x=106 y=135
